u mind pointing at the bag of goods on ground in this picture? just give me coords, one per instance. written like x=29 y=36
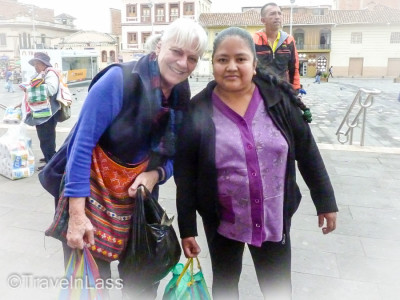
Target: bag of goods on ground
x=12 y=115
x=16 y=156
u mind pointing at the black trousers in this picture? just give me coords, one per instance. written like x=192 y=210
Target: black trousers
x=272 y=262
x=47 y=137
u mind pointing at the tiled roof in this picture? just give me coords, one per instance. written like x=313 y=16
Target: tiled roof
x=380 y=15
x=82 y=37
x=66 y=16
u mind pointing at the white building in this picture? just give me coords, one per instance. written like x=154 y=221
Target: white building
x=141 y=18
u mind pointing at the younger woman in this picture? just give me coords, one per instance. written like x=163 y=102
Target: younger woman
x=236 y=165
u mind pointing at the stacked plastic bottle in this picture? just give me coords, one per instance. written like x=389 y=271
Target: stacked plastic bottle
x=16 y=156
x=12 y=115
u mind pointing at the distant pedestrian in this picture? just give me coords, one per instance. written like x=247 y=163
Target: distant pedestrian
x=330 y=72
x=302 y=91
x=9 y=81
x=318 y=77
x=276 y=49
x=43 y=113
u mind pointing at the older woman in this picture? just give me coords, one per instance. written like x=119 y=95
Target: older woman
x=125 y=137
x=236 y=165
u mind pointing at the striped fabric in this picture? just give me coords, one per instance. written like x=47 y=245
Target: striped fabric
x=37 y=94
x=109 y=206
x=38 y=101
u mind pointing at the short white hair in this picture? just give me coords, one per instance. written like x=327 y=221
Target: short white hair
x=151 y=42
x=186 y=33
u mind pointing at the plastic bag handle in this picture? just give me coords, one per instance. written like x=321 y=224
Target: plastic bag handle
x=189 y=263
x=143 y=189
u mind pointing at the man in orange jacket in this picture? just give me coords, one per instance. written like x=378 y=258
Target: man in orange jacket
x=276 y=50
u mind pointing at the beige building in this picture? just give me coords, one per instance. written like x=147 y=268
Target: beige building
x=25 y=26
x=141 y=18
x=356 y=42
x=361 y=4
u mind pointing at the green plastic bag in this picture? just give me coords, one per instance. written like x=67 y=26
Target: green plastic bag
x=185 y=284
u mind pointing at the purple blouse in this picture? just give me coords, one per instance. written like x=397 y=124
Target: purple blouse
x=251 y=156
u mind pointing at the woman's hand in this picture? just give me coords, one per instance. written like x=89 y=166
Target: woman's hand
x=330 y=222
x=190 y=247
x=80 y=229
x=148 y=179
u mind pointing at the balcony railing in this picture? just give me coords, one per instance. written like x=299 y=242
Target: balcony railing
x=132 y=19
x=132 y=46
x=188 y=17
x=313 y=47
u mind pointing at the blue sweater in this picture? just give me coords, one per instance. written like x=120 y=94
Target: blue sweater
x=101 y=107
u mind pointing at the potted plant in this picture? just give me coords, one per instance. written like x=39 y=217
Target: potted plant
x=324 y=76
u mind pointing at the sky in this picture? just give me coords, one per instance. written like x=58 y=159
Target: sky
x=94 y=14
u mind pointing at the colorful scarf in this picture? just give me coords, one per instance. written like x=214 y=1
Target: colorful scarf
x=167 y=114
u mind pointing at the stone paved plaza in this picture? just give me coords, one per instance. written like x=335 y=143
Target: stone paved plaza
x=360 y=260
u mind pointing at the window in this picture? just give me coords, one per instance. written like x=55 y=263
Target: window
x=131 y=10
x=160 y=13
x=43 y=39
x=3 y=39
x=321 y=63
x=188 y=9
x=112 y=56
x=145 y=36
x=395 y=38
x=132 y=38
x=103 y=56
x=173 y=12
x=146 y=14
x=299 y=38
x=356 y=38
x=318 y=11
x=325 y=39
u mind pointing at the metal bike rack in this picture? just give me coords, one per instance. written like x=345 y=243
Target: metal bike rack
x=345 y=136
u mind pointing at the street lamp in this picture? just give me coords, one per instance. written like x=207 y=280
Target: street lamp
x=33 y=27
x=151 y=17
x=291 y=15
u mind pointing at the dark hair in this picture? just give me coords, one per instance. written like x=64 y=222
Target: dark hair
x=263 y=8
x=234 y=31
x=264 y=74
x=287 y=89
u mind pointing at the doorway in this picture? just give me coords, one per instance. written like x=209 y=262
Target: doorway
x=303 y=68
x=356 y=66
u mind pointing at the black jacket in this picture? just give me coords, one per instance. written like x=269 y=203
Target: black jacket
x=195 y=171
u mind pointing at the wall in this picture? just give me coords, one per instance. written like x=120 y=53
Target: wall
x=375 y=48
x=360 y=4
x=115 y=21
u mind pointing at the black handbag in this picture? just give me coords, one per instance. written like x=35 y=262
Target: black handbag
x=154 y=248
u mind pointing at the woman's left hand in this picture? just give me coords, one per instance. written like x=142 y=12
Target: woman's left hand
x=330 y=222
x=148 y=179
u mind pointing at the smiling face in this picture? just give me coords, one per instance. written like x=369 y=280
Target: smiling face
x=233 y=65
x=176 y=63
x=272 y=17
